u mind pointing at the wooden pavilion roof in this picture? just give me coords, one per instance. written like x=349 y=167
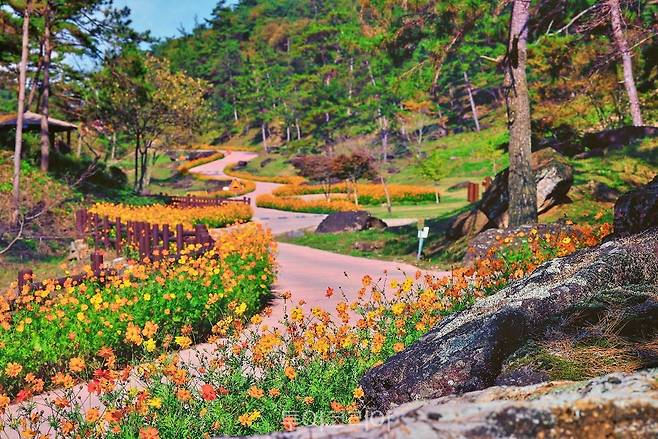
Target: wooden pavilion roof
x=33 y=121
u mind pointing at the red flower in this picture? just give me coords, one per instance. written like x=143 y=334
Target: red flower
x=94 y=386
x=208 y=392
x=23 y=395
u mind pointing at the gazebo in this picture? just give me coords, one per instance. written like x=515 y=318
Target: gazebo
x=32 y=122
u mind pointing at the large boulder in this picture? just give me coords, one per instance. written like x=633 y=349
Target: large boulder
x=616 y=405
x=637 y=210
x=467 y=350
x=553 y=176
x=352 y=221
x=618 y=137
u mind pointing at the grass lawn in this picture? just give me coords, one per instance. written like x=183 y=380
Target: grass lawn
x=46 y=267
x=270 y=165
x=448 y=204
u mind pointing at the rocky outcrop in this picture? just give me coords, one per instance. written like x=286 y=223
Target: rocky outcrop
x=615 y=405
x=349 y=222
x=466 y=351
x=618 y=137
x=553 y=176
x=479 y=246
x=602 y=192
x=637 y=210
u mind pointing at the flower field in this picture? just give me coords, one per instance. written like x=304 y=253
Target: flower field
x=236 y=189
x=293 y=179
x=265 y=377
x=185 y=167
x=212 y=216
x=55 y=336
x=368 y=193
x=309 y=206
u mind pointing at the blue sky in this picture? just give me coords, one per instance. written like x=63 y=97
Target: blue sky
x=164 y=17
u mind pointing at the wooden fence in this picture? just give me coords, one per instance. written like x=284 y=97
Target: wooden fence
x=150 y=240
x=196 y=201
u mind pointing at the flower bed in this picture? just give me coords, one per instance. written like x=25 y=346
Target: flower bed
x=185 y=167
x=55 y=335
x=263 y=379
x=292 y=179
x=236 y=189
x=212 y=216
x=309 y=206
x=368 y=193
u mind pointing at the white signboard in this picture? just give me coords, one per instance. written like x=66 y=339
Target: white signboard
x=424 y=233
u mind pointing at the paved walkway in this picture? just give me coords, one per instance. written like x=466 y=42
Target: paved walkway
x=304 y=271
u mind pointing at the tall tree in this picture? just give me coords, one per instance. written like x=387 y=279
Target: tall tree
x=627 y=63
x=21 y=109
x=522 y=187
x=45 y=85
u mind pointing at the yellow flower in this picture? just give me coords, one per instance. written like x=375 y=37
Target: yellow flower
x=398 y=308
x=183 y=341
x=358 y=392
x=149 y=345
x=241 y=309
x=155 y=402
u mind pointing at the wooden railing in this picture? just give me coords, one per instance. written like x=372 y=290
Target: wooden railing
x=196 y=201
x=152 y=242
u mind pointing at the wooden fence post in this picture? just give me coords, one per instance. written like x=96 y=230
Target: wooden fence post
x=165 y=237
x=119 y=232
x=96 y=263
x=106 y=231
x=95 y=233
x=179 y=239
x=155 y=233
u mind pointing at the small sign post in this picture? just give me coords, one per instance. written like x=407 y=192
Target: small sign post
x=422 y=235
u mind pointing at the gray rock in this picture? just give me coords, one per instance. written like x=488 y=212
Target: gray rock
x=616 y=405
x=349 y=222
x=602 y=192
x=637 y=210
x=465 y=351
x=618 y=137
x=553 y=176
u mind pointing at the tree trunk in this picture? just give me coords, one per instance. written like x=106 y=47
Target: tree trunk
x=136 y=175
x=299 y=131
x=384 y=125
x=522 y=187
x=47 y=50
x=356 y=192
x=114 y=146
x=263 y=132
x=288 y=134
x=474 y=109
x=79 y=151
x=627 y=63
x=16 y=193
x=235 y=109
x=388 y=196
x=437 y=197
x=35 y=80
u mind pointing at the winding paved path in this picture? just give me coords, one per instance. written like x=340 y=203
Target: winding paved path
x=304 y=271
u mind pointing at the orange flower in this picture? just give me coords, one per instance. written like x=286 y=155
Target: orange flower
x=92 y=415
x=183 y=395
x=149 y=433
x=274 y=392
x=290 y=372
x=13 y=369
x=208 y=392
x=4 y=402
x=289 y=423
x=76 y=364
x=255 y=392
x=358 y=392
